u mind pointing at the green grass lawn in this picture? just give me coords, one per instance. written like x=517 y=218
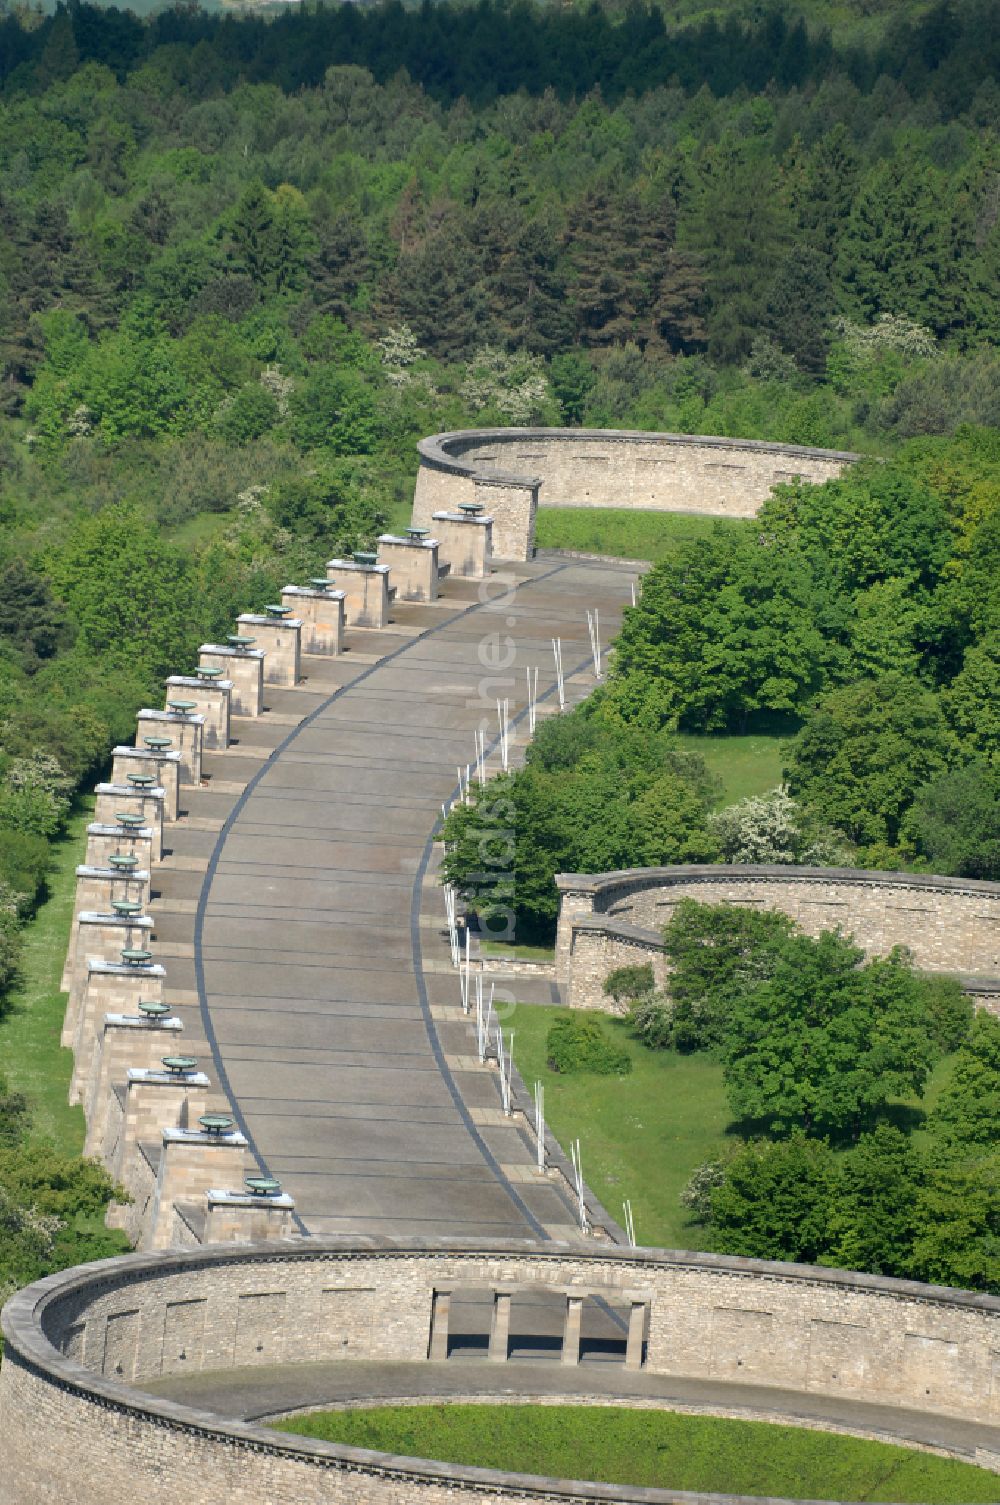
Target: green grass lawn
x=659 y=1449
x=746 y=765
x=621 y=532
x=517 y=949
x=31 y=1057
x=641 y=1135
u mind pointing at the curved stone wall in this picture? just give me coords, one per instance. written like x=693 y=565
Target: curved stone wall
x=81 y=1344
x=607 y=920
x=512 y=471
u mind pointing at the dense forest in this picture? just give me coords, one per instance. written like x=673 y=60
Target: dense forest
x=245 y=264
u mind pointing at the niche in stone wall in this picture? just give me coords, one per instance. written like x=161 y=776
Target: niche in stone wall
x=741 y=1341
x=74 y=1342
x=183 y=1335
x=933 y=1368
x=346 y=1319
x=839 y=1355
x=121 y=1345
x=260 y=1322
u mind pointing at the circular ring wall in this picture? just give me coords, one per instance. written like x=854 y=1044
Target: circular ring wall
x=81 y=1345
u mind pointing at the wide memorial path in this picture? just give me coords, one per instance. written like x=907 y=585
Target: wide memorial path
x=326 y=997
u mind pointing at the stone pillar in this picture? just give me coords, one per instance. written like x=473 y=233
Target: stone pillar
x=321 y=612
x=126 y=1040
x=437 y=1349
x=112 y=845
x=112 y=987
x=571 y=1330
x=155 y=1100
x=576 y=898
x=160 y=762
x=243 y=666
x=636 y=1334
x=280 y=638
x=513 y=505
x=97 y=889
x=413 y=562
x=366 y=590
x=211 y=697
x=465 y=543
x=192 y=1163
x=187 y=731
x=235 y=1217
x=144 y=804
x=104 y=934
x=500 y=1327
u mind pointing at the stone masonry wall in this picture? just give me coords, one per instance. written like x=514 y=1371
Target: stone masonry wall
x=949 y=924
x=78 y=1342
x=606 y=468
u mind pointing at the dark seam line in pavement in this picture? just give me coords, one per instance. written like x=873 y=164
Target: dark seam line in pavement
x=199 y=922
x=418 y=968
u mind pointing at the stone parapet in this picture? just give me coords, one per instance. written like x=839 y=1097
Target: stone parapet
x=163 y=765
x=280 y=639
x=948 y=924
x=81 y=1344
x=186 y=732
x=322 y=613
x=366 y=589
x=413 y=564
x=243 y=667
x=514 y=470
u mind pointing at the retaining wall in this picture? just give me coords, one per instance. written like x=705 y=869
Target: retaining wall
x=80 y=1343
x=608 y=920
x=509 y=469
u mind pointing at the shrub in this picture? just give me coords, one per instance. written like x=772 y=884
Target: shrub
x=629 y=982
x=651 y=1019
x=578 y=1043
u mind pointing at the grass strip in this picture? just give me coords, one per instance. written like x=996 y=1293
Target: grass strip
x=659 y=1449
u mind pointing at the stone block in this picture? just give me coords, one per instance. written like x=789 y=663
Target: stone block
x=465 y=543
x=211 y=700
x=192 y=1163
x=112 y=987
x=97 y=889
x=113 y=800
x=413 y=564
x=237 y=1217
x=366 y=591
x=107 y=842
x=155 y=1100
x=243 y=667
x=102 y=935
x=280 y=639
x=126 y=1040
x=322 y=614
x=162 y=764
x=186 y=731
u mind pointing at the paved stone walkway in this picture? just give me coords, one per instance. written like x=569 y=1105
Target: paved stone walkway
x=251 y=1394
x=327 y=997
